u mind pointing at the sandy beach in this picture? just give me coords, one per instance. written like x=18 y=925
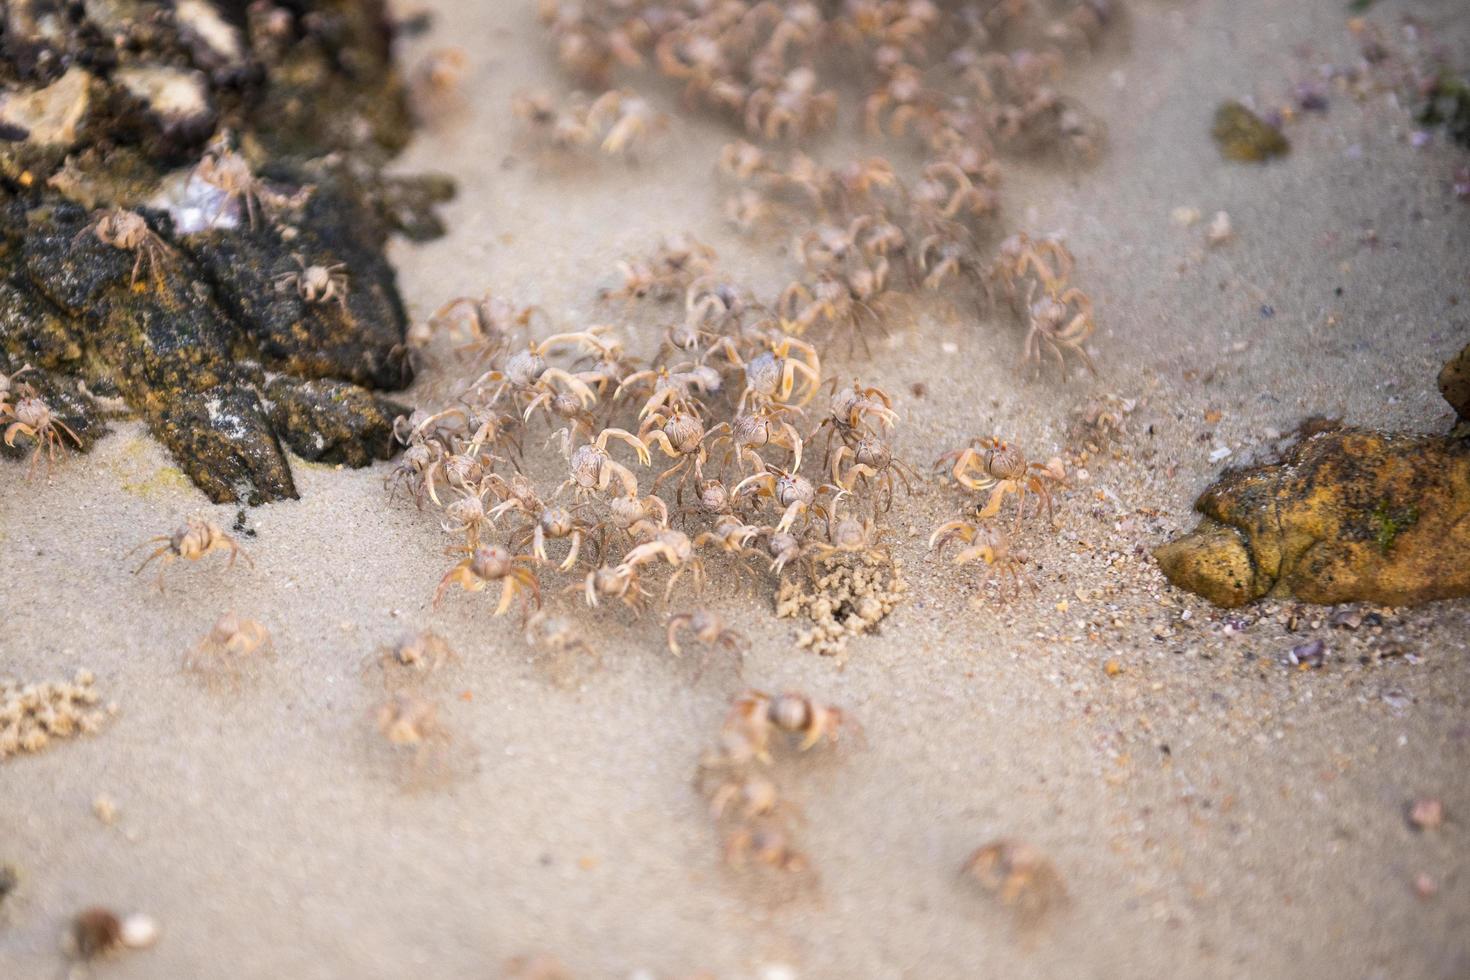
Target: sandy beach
x=1213 y=810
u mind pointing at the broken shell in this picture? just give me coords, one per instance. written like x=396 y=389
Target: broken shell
x=139 y=931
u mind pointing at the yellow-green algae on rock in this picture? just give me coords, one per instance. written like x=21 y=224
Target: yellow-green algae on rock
x=1344 y=515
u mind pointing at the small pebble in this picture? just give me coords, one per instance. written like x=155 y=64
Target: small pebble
x=1426 y=813
x=1220 y=230
x=139 y=931
x=105 y=807
x=1311 y=654
x=1425 y=886
x=1184 y=217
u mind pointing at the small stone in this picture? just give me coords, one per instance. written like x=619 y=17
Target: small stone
x=1112 y=668
x=1425 y=886
x=1426 y=813
x=177 y=98
x=1185 y=217
x=1220 y=230
x=1308 y=655
x=51 y=116
x=1244 y=136
x=105 y=807
x=139 y=931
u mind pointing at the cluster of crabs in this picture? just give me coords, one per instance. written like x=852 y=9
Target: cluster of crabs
x=960 y=84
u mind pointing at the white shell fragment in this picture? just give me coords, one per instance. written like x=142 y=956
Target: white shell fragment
x=139 y=931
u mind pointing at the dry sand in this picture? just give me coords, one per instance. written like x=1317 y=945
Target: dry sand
x=1214 y=812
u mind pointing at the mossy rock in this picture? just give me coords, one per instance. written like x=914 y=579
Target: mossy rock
x=1345 y=515
x=1242 y=135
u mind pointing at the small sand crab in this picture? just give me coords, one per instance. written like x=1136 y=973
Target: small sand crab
x=1047 y=259
x=230 y=648
x=630 y=119
x=1019 y=875
x=409 y=722
x=129 y=231
x=753 y=795
x=32 y=417
x=614 y=582
x=494 y=563
x=851 y=413
x=791 y=109
x=196 y=539
x=772 y=376
x=547 y=522
x=997 y=466
x=229 y=172
x=754 y=715
x=674 y=547
x=983 y=543
x=593 y=470
x=1055 y=327
x=316 y=283
x=681 y=436
x=414 y=656
x=753 y=431
x=764 y=842
x=555 y=634
x=849 y=536
x=709 y=629
x=790 y=491
x=871 y=456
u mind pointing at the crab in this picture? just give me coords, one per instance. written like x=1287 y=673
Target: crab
x=408 y=722
x=1057 y=324
x=755 y=715
x=317 y=283
x=592 y=469
x=747 y=797
x=850 y=412
x=129 y=231
x=546 y=522
x=681 y=436
x=629 y=120
x=195 y=540
x=983 y=542
x=790 y=491
x=230 y=173
x=1019 y=875
x=528 y=380
x=230 y=648
x=674 y=547
x=31 y=417
x=767 y=843
x=614 y=582
x=995 y=465
x=848 y=536
x=494 y=563
x=753 y=431
x=413 y=656
x=489 y=322
x=871 y=456
x=776 y=377
x=1046 y=259
x=790 y=109
x=467 y=514
x=709 y=629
